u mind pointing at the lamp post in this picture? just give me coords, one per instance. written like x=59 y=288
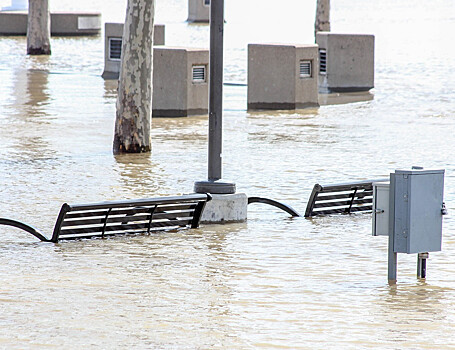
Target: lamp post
x=215 y=184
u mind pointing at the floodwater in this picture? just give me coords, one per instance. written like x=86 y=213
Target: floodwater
x=271 y=283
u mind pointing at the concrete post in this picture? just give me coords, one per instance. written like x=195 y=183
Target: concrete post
x=133 y=117
x=39 y=28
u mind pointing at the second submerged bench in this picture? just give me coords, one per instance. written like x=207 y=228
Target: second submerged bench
x=346 y=197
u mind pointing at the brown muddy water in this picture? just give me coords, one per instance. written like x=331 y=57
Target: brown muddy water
x=272 y=282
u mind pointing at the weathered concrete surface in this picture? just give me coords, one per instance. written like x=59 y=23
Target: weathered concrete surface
x=274 y=80
x=350 y=62
x=115 y=30
x=175 y=94
x=62 y=23
x=226 y=208
x=198 y=11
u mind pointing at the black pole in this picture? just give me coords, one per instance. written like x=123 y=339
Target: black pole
x=214 y=183
x=216 y=89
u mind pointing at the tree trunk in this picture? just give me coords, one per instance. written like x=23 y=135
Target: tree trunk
x=38 y=28
x=134 y=100
x=322 y=22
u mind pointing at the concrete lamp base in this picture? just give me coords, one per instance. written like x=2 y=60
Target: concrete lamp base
x=225 y=208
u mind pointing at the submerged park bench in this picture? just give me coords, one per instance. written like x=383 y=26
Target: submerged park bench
x=122 y=217
x=341 y=198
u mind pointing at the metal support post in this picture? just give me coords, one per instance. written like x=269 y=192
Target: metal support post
x=392 y=255
x=422 y=265
x=214 y=185
x=392 y=266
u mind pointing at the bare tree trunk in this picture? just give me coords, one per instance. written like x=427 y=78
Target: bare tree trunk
x=322 y=22
x=38 y=28
x=134 y=100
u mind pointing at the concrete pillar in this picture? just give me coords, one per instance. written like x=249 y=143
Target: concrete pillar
x=180 y=81
x=199 y=11
x=282 y=76
x=113 y=33
x=346 y=62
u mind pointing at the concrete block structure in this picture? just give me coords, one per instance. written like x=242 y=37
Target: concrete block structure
x=282 y=76
x=113 y=33
x=346 y=62
x=199 y=11
x=62 y=23
x=180 y=81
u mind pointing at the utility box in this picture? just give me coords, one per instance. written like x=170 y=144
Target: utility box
x=113 y=34
x=416 y=209
x=346 y=62
x=282 y=76
x=180 y=81
x=199 y=11
x=381 y=208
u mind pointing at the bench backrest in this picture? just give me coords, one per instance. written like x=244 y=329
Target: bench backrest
x=129 y=216
x=341 y=198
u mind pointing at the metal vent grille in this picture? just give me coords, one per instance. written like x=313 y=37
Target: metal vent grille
x=199 y=75
x=115 y=49
x=322 y=61
x=305 y=69
x=207 y=2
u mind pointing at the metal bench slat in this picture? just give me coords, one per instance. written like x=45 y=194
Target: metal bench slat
x=129 y=211
x=129 y=218
x=359 y=194
x=341 y=204
x=140 y=202
x=341 y=211
x=122 y=228
x=348 y=185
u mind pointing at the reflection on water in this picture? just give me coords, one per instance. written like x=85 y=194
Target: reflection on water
x=273 y=282
x=341 y=98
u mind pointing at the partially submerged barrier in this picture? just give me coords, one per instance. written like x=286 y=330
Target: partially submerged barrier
x=132 y=216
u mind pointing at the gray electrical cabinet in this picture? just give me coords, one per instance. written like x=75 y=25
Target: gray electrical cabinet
x=416 y=209
x=381 y=208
